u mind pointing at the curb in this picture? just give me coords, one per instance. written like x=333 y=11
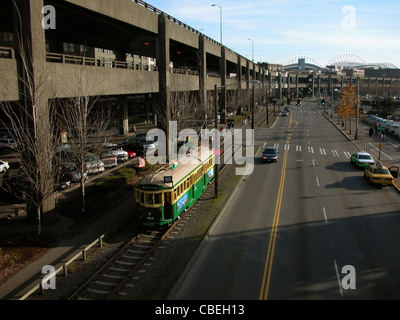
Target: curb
x=351 y=140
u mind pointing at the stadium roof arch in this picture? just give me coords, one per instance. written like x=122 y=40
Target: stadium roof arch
x=292 y=63
x=347 y=60
x=351 y=60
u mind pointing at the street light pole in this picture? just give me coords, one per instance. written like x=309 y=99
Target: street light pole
x=252 y=107
x=220 y=19
x=216 y=137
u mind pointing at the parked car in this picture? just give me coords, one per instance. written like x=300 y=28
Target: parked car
x=62 y=182
x=93 y=163
x=70 y=170
x=4 y=166
x=121 y=154
x=149 y=143
x=134 y=148
x=270 y=154
x=135 y=138
x=109 y=159
x=129 y=149
x=378 y=174
x=7 y=143
x=362 y=159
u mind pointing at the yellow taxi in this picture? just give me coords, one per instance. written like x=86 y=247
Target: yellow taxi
x=378 y=174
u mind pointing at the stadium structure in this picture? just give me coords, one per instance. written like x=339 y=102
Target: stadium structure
x=342 y=61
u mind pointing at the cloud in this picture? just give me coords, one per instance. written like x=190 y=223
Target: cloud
x=309 y=27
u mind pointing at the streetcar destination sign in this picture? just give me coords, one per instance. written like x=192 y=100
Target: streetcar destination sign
x=168 y=179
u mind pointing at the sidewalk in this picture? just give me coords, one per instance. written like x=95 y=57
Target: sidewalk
x=363 y=141
x=15 y=287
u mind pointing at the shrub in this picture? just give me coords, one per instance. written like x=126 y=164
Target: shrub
x=120 y=179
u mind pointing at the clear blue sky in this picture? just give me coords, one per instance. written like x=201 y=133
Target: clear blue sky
x=282 y=29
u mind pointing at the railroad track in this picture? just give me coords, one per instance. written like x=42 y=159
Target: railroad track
x=109 y=280
x=132 y=258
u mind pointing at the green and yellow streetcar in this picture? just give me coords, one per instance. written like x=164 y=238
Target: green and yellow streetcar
x=162 y=196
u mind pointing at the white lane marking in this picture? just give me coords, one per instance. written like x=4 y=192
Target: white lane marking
x=338 y=278
x=317 y=181
x=326 y=219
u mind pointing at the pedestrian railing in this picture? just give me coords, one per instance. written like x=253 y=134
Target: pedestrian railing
x=82 y=254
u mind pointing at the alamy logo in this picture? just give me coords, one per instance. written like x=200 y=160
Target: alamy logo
x=349 y=280
x=349 y=19
x=49 y=280
x=232 y=141
x=49 y=20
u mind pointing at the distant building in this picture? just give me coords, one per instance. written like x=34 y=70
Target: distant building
x=354 y=72
x=383 y=73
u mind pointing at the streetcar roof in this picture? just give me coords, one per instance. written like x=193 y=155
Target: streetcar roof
x=185 y=166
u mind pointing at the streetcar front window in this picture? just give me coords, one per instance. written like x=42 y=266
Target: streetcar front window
x=152 y=199
x=148 y=198
x=157 y=199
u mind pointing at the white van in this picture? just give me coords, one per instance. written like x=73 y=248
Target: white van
x=394 y=128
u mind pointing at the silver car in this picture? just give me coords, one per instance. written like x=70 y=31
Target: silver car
x=93 y=163
x=70 y=170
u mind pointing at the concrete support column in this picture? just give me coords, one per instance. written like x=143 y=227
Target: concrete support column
x=35 y=98
x=297 y=86
x=240 y=79
x=123 y=121
x=202 y=65
x=164 y=96
x=222 y=102
x=247 y=75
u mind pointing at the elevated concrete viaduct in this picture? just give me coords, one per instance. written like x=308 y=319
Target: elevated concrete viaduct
x=184 y=59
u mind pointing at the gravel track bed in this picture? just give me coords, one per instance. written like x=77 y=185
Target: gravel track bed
x=157 y=278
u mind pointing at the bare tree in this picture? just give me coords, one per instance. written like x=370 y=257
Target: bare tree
x=86 y=123
x=29 y=122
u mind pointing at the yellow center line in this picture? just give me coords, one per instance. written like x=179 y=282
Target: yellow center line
x=274 y=228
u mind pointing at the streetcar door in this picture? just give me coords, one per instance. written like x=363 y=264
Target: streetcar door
x=167 y=206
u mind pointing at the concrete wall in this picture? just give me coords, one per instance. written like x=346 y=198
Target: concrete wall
x=212 y=47
x=74 y=80
x=123 y=10
x=8 y=80
x=184 y=82
x=182 y=35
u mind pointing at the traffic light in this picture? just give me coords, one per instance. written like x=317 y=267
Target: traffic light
x=298 y=102
x=323 y=102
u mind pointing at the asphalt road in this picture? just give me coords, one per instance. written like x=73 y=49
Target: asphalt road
x=306 y=227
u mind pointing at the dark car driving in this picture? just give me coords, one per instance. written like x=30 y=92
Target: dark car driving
x=270 y=154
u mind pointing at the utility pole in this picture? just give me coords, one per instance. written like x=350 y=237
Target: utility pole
x=216 y=141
